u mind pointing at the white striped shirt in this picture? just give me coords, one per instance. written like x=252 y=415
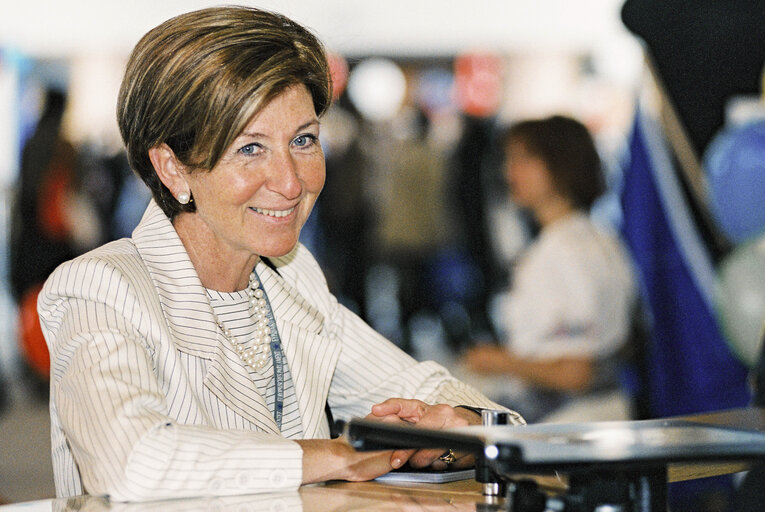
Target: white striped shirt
x=148 y=399
x=233 y=310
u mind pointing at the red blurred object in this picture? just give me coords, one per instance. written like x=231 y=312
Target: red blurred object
x=478 y=83
x=52 y=202
x=33 y=347
x=338 y=70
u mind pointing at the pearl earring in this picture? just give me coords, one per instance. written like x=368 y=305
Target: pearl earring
x=184 y=197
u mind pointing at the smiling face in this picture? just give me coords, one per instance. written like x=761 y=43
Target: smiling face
x=255 y=201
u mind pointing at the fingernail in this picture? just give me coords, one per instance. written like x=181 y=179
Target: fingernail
x=396 y=463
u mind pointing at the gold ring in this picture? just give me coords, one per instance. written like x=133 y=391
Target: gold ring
x=448 y=457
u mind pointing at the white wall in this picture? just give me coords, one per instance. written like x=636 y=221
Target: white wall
x=56 y=27
x=95 y=36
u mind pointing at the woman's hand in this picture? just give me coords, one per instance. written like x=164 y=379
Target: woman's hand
x=335 y=459
x=427 y=416
x=489 y=359
x=571 y=374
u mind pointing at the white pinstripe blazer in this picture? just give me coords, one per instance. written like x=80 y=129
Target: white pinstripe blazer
x=149 y=401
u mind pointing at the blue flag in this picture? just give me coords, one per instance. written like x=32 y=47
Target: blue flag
x=690 y=366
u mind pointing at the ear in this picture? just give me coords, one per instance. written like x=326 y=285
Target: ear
x=169 y=169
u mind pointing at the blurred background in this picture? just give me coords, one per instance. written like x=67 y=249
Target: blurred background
x=671 y=92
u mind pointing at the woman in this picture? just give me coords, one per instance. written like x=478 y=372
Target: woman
x=568 y=312
x=201 y=355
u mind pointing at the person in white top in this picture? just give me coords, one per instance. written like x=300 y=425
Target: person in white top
x=568 y=313
x=205 y=355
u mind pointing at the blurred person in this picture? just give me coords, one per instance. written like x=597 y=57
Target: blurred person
x=40 y=230
x=117 y=195
x=411 y=227
x=50 y=223
x=568 y=311
x=205 y=355
x=470 y=189
x=343 y=202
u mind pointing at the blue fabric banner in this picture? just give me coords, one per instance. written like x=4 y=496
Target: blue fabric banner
x=690 y=366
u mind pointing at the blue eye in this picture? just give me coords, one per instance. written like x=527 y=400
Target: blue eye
x=304 y=140
x=249 y=149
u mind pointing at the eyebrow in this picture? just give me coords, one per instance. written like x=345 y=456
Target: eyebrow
x=301 y=127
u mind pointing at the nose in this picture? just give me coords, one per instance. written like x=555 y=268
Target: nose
x=284 y=177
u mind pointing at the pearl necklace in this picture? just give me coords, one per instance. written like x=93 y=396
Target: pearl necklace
x=257 y=356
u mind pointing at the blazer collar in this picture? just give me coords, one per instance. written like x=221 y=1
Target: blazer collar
x=183 y=299
x=180 y=289
x=191 y=322
x=190 y=317
x=311 y=352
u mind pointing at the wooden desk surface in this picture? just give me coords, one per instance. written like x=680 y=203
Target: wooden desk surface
x=463 y=495
x=744 y=418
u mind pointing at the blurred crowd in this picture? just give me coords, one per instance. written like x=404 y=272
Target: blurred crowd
x=414 y=227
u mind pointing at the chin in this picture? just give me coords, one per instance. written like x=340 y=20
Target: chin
x=277 y=251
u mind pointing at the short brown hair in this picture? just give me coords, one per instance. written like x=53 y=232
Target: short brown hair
x=569 y=153
x=196 y=80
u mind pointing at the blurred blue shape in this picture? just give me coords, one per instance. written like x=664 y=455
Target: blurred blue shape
x=452 y=276
x=735 y=164
x=434 y=89
x=690 y=367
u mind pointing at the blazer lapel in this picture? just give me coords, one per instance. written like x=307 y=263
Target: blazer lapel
x=311 y=352
x=229 y=380
x=190 y=317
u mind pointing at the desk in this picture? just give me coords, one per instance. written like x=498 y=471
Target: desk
x=378 y=497
x=624 y=464
x=749 y=418
x=331 y=497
